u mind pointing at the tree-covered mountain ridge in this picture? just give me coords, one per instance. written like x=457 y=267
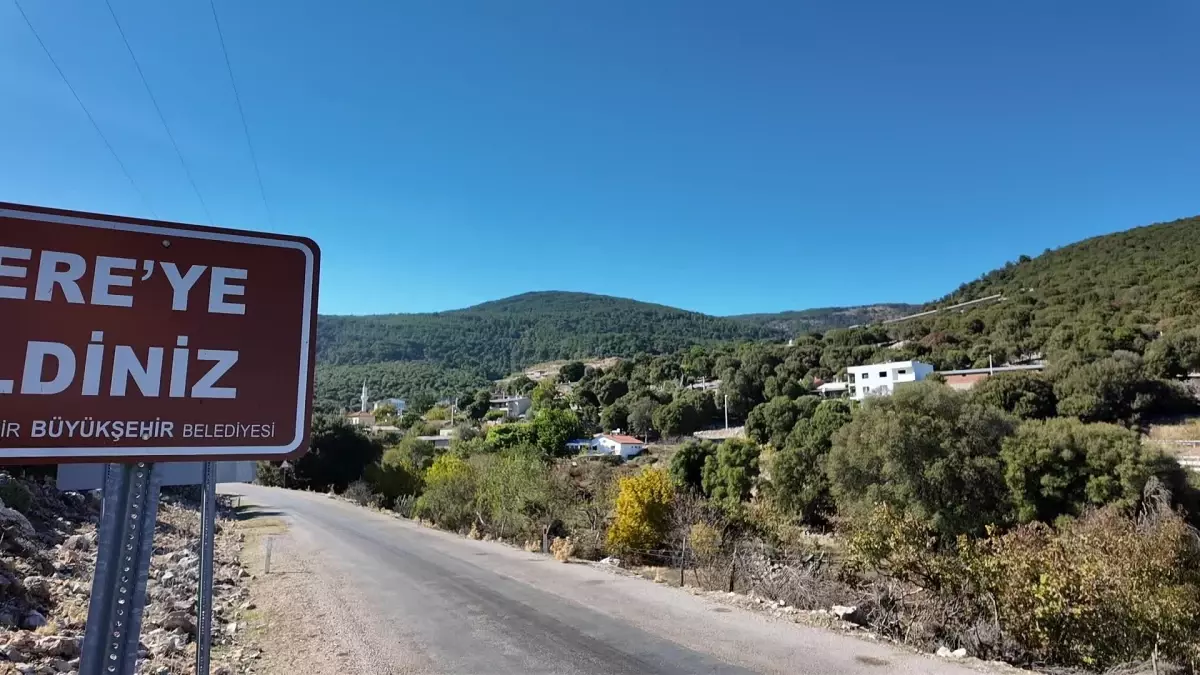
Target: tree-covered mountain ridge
x=1114 y=292
x=503 y=335
x=1133 y=292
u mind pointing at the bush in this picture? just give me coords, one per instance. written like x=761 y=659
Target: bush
x=799 y=483
x=337 y=456
x=360 y=492
x=1102 y=590
x=730 y=474
x=1024 y=394
x=404 y=504
x=553 y=428
x=772 y=421
x=1116 y=390
x=642 y=513
x=14 y=494
x=927 y=451
x=687 y=464
x=900 y=546
x=394 y=476
x=449 y=497
x=562 y=548
x=513 y=494
x=1062 y=466
x=269 y=474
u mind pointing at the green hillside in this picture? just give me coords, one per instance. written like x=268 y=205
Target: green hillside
x=339 y=386
x=1135 y=291
x=825 y=318
x=498 y=337
x=1118 y=292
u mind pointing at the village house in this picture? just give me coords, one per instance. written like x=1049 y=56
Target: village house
x=881 y=379
x=513 y=406
x=618 y=445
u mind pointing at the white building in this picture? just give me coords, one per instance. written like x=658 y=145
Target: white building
x=397 y=403
x=881 y=379
x=608 y=444
x=513 y=406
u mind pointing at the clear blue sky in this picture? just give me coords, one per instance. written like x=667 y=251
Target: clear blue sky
x=724 y=157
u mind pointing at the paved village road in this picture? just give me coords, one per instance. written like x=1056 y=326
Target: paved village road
x=416 y=600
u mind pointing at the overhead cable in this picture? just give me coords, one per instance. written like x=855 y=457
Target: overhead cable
x=138 y=66
x=241 y=113
x=83 y=107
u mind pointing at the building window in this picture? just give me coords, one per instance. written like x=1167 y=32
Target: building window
x=866 y=375
x=902 y=371
x=851 y=378
x=853 y=391
x=883 y=374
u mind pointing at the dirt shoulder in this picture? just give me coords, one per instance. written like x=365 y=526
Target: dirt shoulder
x=295 y=617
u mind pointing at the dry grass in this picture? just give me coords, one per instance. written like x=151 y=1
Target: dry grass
x=1182 y=430
x=562 y=549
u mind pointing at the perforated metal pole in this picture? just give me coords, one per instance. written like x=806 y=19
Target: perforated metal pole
x=114 y=624
x=208 y=523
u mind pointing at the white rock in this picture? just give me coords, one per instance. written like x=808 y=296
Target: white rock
x=959 y=653
x=38 y=587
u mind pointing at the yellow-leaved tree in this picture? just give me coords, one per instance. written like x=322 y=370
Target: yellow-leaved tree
x=643 y=512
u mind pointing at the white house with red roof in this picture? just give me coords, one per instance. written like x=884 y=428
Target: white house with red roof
x=608 y=444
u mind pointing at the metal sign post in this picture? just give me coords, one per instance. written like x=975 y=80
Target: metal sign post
x=114 y=621
x=208 y=526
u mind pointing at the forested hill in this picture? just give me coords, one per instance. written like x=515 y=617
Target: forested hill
x=825 y=318
x=1135 y=291
x=498 y=337
x=1117 y=292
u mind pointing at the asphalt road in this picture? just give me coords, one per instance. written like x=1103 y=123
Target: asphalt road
x=424 y=601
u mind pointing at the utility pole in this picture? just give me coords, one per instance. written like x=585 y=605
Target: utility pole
x=726 y=412
x=991 y=366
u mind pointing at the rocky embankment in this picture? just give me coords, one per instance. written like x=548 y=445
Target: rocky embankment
x=48 y=554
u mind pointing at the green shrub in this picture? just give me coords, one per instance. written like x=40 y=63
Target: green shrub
x=1102 y=590
x=394 y=475
x=1116 y=390
x=1024 y=394
x=799 y=483
x=898 y=545
x=269 y=474
x=731 y=473
x=687 y=464
x=449 y=496
x=14 y=494
x=927 y=451
x=1062 y=466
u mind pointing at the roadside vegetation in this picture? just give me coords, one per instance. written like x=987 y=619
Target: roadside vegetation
x=1026 y=520
x=943 y=518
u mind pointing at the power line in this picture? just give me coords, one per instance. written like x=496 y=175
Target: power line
x=241 y=113
x=157 y=109
x=83 y=107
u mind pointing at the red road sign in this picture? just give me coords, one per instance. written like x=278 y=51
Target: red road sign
x=124 y=339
